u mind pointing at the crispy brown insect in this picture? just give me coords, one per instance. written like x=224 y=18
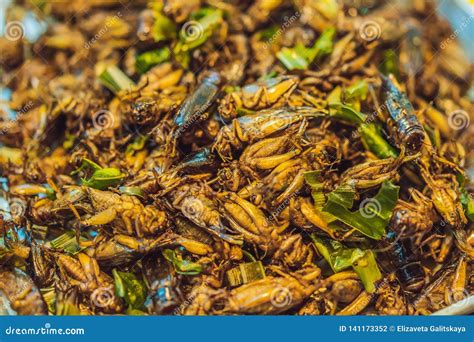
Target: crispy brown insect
x=188 y=157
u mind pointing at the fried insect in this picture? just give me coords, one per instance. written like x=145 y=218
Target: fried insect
x=256 y=96
x=445 y=196
x=126 y=212
x=224 y=157
x=251 y=128
x=409 y=130
x=273 y=295
x=121 y=249
x=84 y=272
x=194 y=107
x=20 y=294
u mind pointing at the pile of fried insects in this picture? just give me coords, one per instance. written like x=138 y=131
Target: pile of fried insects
x=208 y=157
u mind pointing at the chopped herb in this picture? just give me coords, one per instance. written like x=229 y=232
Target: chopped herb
x=128 y=287
x=196 y=32
x=180 y=265
x=104 y=178
x=163 y=27
x=149 y=59
x=340 y=257
x=346 y=113
x=85 y=164
x=67 y=242
x=370 y=133
x=293 y=58
x=245 y=273
x=137 y=144
x=115 y=79
x=313 y=179
x=372 y=218
x=131 y=190
x=371 y=136
x=390 y=63
x=300 y=57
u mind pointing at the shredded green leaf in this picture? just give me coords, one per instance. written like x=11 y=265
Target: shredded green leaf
x=335 y=96
x=128 y=287
x=300 y=57
x=163 y=27
x=337 y=256
x=467 y=199
x=101 y=178
x=67 y=307
x=137 y=144
x=313 y=179
x=328 y=8
x=349 y=112
x=68 y=242
x=340 y=257
x=355 y=93
x=358 y=91
x=69 y=141
x=366 y=267
x=196 y=32
x=104 y=178
x=346 y=113
x=372 y=138
x=85 y=164
x=434 y=135
x=293 y=58
x=268 y=33
x=115 y=79
x=390 y=63
x=49 y=296
x=245 y=273
x=149 y=59
x=372 y=218
x=182 y=266
x=468 y=204
x=135 y=312
x=131 y=190
x=324 y=44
